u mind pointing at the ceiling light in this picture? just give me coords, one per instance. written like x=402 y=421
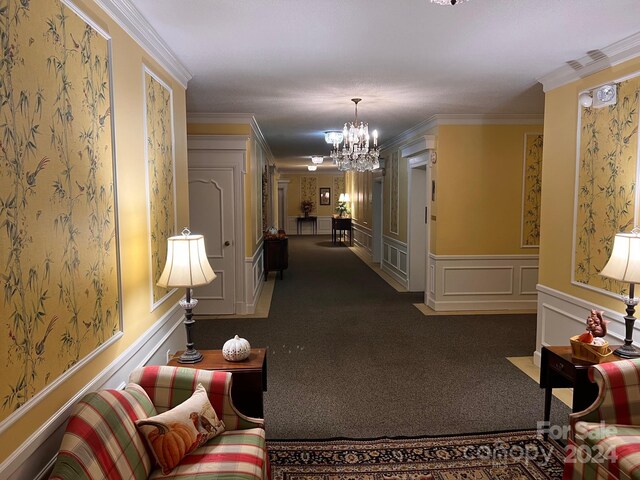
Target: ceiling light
x=447 y=2
x=333 y=136
x=317 y=159
x=355 y=153
x=312 y=168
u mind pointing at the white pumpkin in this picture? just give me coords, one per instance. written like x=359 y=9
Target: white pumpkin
x=236 y=349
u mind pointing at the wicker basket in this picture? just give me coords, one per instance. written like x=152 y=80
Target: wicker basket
x=587 y=352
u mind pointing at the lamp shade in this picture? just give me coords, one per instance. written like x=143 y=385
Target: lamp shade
x=344 y=197
x=187 y=264
x=624 y=263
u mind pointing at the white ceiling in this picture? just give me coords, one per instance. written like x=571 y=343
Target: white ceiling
x=296 y=64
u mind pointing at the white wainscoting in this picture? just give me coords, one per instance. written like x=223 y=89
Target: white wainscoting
x=254 y=275
x=394 y=259
x=561 y=316
x=34 y=458
x=362 y=236
x=482 y=282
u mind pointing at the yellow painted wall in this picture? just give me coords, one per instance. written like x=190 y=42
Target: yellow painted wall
x=128 y=113
x=479 y=189
x=558 y=181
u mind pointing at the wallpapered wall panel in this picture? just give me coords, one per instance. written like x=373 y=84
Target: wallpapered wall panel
x=394 y=200
x=58 y=246
x=532 y=189
x=160 y=175
x=607 y=170
x=309 y=190
x=338 y=188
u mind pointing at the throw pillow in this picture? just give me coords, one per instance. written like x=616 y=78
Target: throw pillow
x=176 y=432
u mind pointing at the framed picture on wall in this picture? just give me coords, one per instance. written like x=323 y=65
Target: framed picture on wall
x=325 y=196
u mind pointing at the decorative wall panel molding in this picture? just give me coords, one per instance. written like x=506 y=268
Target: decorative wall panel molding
x=57 y=198
x=606 y=183
x=482 y=282
x=394 y=259
x=394 y=197
x=531 y=190
x=161 y=179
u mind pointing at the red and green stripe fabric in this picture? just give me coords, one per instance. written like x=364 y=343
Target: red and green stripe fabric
x=169 y=386
x=235 y=455
x=101 y=440
x=605 y=438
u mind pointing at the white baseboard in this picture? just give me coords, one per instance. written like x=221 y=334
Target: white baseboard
x=561 y=316
x=482 y=282
x=34 y=458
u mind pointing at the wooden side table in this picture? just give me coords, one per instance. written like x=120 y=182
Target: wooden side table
x=249 y=377
x=558 y=369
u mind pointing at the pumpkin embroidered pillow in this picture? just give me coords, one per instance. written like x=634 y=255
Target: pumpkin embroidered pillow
x=176 y=432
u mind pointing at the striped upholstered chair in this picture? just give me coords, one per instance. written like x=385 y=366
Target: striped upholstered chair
x=101 y=440
x=604 y=442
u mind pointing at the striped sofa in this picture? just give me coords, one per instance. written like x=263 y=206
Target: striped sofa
x=604 y=442
x=101 y=440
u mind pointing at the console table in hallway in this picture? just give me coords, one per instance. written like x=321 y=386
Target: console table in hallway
x=339 y=227
x=302 y=220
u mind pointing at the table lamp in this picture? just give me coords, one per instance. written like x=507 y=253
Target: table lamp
x=187 y=266
x=624 y=265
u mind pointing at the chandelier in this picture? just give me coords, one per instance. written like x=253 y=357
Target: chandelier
x=355 y=154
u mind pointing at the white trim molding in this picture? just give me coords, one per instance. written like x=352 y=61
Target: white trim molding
x=127 y=16
x=34 y=458
x=593 y=62
x=482 y=282
x=362 y=236
x=394 y=259
x=561 y=316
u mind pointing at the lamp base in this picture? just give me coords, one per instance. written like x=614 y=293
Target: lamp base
x=627 y=351
x=190 y=356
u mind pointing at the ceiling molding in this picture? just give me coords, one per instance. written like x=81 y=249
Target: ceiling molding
x=125 y=14
x=422 y=128
x=594 y=61
x=234 y=119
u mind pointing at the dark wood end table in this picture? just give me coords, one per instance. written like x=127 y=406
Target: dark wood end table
x=558 y=369
x=249 y=377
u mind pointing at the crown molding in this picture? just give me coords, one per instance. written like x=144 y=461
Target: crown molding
x=422 y=128
x=127 y=16
x=234 y=119
x=614 y=54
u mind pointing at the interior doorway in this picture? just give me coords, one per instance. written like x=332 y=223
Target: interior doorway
x=282 y=204
x=419 y=216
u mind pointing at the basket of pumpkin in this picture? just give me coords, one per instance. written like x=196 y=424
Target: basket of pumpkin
x=591 y=346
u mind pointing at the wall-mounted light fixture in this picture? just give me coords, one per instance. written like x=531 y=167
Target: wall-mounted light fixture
x=599 y=97
x=312 y=168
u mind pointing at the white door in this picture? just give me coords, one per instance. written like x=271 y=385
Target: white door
x=211 y=207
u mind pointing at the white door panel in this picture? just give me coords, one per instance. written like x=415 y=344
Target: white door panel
x=211 y=207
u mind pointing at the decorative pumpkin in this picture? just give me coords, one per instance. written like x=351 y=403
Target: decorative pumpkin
x=170 y=443
x=236 y=349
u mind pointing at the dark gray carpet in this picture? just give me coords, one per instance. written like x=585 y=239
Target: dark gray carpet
x=351 y=357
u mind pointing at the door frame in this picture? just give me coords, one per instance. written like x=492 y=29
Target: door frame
x=284 y=221
x=377 y=216
x=227 y=143
x=418 y=242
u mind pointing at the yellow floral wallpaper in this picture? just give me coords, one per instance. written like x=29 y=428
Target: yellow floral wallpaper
x=394 y=199
x=607 y=169
x=532 y=189
x=160 y=172
x=309 y=190
x=58 y=247
x=338 y=188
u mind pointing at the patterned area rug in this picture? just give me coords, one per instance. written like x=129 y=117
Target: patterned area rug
x=504 y=456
